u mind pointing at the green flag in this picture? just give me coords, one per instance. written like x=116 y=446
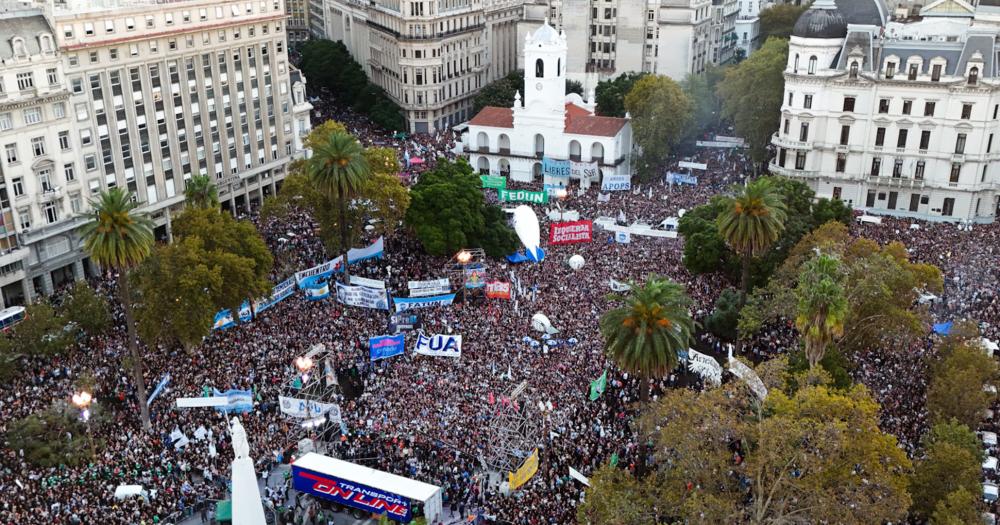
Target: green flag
x=598 y=385
x=614 y=459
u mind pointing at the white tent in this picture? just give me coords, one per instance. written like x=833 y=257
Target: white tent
x=989 y=438
x=128 y=491
x=990 y=491
x=990 y=463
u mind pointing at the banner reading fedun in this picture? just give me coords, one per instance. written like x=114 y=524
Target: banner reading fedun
x=570 y=232
x=516 y=479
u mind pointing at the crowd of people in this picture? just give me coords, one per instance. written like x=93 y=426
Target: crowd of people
x=429 y=417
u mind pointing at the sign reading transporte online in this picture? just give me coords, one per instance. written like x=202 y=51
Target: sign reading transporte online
x=570 y=232
x=352 y=494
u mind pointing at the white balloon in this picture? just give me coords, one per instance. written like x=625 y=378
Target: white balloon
x=526 y=227
x=540 y=323
x=576 y=262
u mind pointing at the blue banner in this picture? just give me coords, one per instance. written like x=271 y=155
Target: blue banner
x=159 y=388
x=362 y=296
x=681 y=178
x=281 y=291
x=385 y=346
x=239 y=401
x=355 y=495
x=224 y=319
x=317 y=290
x=409 y=303
x=558 y=169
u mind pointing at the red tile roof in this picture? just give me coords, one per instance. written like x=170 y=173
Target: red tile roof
x=494 y=117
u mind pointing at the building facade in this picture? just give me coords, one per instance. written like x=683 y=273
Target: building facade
x=747 y=28
x=430 y=57
x=666 y=37
x=298 y=20
x=898 y=119
x=547 y=124
x=146 y=94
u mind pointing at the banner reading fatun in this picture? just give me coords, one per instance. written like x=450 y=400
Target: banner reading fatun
x=533 y=197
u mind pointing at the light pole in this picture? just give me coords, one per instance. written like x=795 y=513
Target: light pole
x=82 y=401
x=560 y=195
x=304 y=364
x=463 y=257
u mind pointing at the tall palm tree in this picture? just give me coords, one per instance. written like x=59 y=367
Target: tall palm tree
x=200 y=192
x=822 y=306
x=644 y=335
x=750 y=223
x=339 y=169
x=119 y=238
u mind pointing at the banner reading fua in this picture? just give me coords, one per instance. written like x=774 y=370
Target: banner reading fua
x=533 y=197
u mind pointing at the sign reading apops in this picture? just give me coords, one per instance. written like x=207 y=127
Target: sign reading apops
x=439 y=345
x=493 y=181
x=570 y=232
x=498 y=290
x=614 y=182
x=533 y=197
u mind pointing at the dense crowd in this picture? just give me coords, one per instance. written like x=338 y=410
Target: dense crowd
x=428 y=417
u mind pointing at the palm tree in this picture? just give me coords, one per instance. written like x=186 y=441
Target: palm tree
x=339 y=169
x=119 y=238
x=200 y=192
x=750 y=223
x=644 y=335
x=822 y=306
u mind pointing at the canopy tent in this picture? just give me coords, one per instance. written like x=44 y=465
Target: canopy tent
x=943 y=328
x=990 y=491
x=990 y=463
x=989 y=438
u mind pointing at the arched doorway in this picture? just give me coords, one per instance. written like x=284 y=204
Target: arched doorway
x=483 y=164
x=597 y=152
x=483 y=142
x=574 y=150
x=539 y=145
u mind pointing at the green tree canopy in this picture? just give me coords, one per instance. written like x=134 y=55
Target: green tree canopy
x=949 y=464
x=779 y=19
x=85 y=309
x=42 y=332
x=751 y=96
x=200 y=192
x=610 y=94
x=706 y=105
x=821 y=305
x=724 y=317
x=447 y=212
x=957 y=379
x=43 y=436
x=661 y=111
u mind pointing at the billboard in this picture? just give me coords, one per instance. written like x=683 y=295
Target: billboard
x=351 y=494
x=428 y=288
x=498 y=290
x=570 y=232
x=385 y=346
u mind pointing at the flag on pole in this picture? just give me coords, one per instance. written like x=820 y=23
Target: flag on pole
x=614 y=459
x=598 y=385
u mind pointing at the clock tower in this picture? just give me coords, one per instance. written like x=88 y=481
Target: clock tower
x=544 y=75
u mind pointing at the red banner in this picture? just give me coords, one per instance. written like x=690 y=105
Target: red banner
x=498 y=290
x=570 y=232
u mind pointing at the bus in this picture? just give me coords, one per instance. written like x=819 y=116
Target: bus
x=10 y=317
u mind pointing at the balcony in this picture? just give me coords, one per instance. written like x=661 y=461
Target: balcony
x=787 y=143
x=13 y=255
x=896 y=182
x=50 y=194
x=789 y=172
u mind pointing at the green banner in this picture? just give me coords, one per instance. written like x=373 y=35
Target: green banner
x=533 y=197
x=493 y=181
x=598 y=385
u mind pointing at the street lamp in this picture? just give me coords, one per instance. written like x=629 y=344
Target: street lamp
x=82 y=401
x=304 y=364
x=560 y=195
x=464 y=257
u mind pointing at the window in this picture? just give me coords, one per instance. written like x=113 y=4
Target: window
x=849 y=103
x=69 y=173
x=10 y=151
x=956 y=171
x=973 y=76
x=38 y=146
x=59 y=109
x=169 y=18
x=77 y=85
x=800 y=160
x=75 y=203
x=907 y=107
x=989 y=143
x=935 y=72
x=897 y=168
x=45 y=180
x=17 y=186
x=929 y=109
x=880 y=136
x=883 y=105
x=85 y=137
x=113 y=53
x=841 y=162
x=948 y=207
x=925 y=139
x=812 y=65
x=74 y=60
x=919 y=172
x=68 y=31
x=901 y=139
x=960 y=143
x=912 y=75
x=25 y=80
x=64 y=140
x=129 y=24
x=854 y=70
x=90 y=162
x=966 y=111
x=25 y=218
x=150 y=22
x=791 y=99
x=109 y=26
x=845 y=135
x=6 y=122
x=52 y=76
x=795 y=66
x=88 y=29
x=804 y=132
x=32 y=116
x=890 y=70
x=808 y=103
x=93 y=57
x=787 y=124
x=51 y=213
x=876 y=166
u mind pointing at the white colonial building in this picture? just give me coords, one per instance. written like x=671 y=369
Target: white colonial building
x=899 y=119
x=546 y=122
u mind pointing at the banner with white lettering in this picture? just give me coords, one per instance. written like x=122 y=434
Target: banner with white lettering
x=304 y=408
x=370 y=283
x=431 y=287
x=362 y=296
x=439 y=345
x=409 y=303
x=498 y=290
x=556 y=169
x=281 y=291
x=571 y=232
x=613 y=182
x=353 y=255
x=705 y=365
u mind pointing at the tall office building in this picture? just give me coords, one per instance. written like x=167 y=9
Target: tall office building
x=429 y=56
x=298 y=20
x=140 y=95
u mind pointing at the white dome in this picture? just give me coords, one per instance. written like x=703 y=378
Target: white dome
x=545 y=34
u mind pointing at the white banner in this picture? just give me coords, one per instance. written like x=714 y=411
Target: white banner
x=359 y=254
x=370 y=283
x=616 y=182
x=603 y=197
x=304 y=409
x=575 y=474
x=623 y=237
x=583 y=170
x=428 y=288
x=706 y=366
x=618 y=286
x=202 y=402
x=747 y=374
x=692 y=165
x=322 y=269
x=362 y=296
x=439 y=345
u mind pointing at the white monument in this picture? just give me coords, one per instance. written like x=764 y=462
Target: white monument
x=247 y=507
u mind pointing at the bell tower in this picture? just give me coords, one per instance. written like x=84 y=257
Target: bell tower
x=545 y=71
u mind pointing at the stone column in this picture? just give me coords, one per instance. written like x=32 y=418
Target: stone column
x=78 y=272
x=29 y=290
x=47 y=287
x=169 y=225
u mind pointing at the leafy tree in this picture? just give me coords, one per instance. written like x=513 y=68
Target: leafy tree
x=660 y=112
x=631 y=500
x=200 y=192
x=610 y=94
x=751 y=96
x=118 y=237
x=574 y=86
x=834 y=363
x=750 y=222
x=235 y=248
x=85 y=309
x=779 y=19
x=318 y=135
x=949 y=464
x=704 y=249
x=822 y=306
x=447 y=213
x=958 y=508
x=826 y=210
x=500 y=92
x=956 y=385
x=706 y=106
x=180 y=289
x=340 y=169
x=54 y=436
x=724 y=318
x=41 y=333
x=644 y=335
x=722 y=458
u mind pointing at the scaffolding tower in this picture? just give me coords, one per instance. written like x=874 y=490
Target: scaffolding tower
x=514 y=430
